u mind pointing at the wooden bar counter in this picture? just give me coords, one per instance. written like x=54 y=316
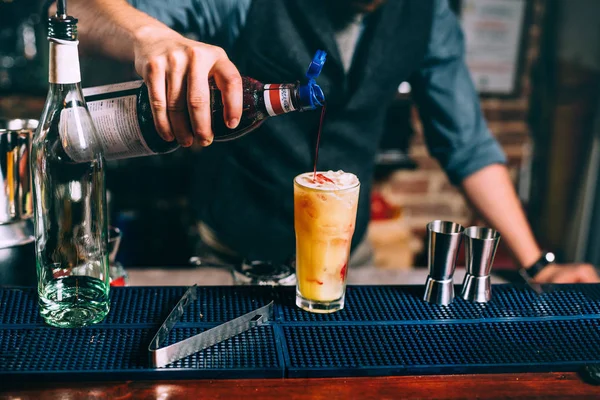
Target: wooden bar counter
x=492 y=386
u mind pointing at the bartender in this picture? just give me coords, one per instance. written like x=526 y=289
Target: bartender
x=373 y=45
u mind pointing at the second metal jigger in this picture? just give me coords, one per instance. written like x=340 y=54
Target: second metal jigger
x=444 y=241
x=480 y=249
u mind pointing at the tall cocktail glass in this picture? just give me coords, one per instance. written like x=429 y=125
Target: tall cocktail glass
x=324 y=219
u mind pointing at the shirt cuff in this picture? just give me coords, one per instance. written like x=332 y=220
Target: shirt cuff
x=462 y=165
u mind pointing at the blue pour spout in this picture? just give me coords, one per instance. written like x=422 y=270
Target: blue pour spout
x=311 y=93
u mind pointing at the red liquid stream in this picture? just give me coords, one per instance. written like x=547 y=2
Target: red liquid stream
x=318 y=140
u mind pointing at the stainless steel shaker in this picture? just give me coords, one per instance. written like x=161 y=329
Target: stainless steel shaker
x=17 y=247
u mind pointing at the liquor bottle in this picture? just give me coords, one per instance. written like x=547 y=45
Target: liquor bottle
x=70 y=198
x=123 y=117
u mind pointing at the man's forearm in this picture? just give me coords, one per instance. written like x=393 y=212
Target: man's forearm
x=491 y=191
x=110 y=27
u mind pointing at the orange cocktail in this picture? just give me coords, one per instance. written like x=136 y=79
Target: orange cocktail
x=324 y=219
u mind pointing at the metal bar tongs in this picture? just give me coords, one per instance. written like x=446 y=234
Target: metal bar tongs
x=162 y=356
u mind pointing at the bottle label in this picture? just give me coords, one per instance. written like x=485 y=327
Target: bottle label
x=114 y=112
x=113 y=89
x=64 y=62
x=74 y=129
x=278 y=99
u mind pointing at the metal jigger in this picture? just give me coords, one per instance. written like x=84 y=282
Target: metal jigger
x=444 y=241
x=480 y=249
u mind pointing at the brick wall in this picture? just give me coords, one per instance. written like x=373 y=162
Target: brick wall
x=425 y=193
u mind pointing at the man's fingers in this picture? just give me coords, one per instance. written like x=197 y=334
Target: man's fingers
x=568 y=273
x=198 y=98
x=154 y=75
x=564 y=277
x=587 y=274
x=229 y=81
x=176 y=99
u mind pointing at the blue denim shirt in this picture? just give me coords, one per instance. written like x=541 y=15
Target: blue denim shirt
x=455 y=130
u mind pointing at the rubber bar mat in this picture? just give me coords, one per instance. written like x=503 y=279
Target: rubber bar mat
x=384 y=330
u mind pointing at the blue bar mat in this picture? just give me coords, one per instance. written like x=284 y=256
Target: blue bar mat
x=384 y=330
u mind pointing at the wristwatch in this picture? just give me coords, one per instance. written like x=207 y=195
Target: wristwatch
x=532 y=271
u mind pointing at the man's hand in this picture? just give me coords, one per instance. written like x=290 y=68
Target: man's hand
x=176 y=71
x=567 y=273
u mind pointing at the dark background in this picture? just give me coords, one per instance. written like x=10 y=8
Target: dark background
x=546 y=126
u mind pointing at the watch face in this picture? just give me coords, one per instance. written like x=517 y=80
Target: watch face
x=549 y=257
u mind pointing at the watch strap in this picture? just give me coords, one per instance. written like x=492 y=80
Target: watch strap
x=540 y=264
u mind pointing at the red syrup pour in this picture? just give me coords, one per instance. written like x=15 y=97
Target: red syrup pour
x=343 y=271
x=317 y=147
x=320 y=178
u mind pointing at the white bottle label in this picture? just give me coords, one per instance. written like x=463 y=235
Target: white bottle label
x=73 y=128
x=116 y=120
x=64 y=62
x=278 y=99
x=112 y=88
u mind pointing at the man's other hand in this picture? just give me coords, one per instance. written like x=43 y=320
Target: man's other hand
x=567 y=273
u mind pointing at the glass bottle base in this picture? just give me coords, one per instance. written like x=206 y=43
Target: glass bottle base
x=75 y=301
x=319 y=307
